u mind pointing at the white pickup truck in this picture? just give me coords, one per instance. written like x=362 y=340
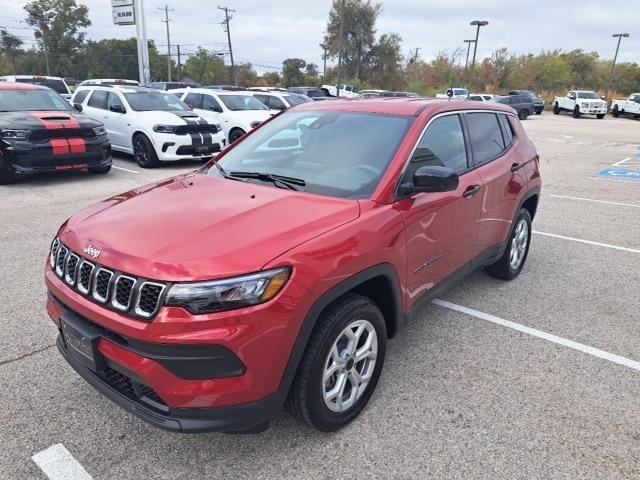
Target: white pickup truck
x=581 y=102
x=454 y=93
x=346 y=91
x=630 y=106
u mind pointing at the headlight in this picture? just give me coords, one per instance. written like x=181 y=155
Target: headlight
x=584 y=104
x=164 y=128
x=15 y=134
x=254 y=124
x=99 y=130
x=228 y=294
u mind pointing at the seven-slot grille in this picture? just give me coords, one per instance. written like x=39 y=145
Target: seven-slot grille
x=110 y=288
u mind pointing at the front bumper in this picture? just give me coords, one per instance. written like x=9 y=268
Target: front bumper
x=171 y=148
x=26 y=157
x=593 y=111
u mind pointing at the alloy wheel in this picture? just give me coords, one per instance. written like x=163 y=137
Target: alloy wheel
x=349 y=366
x=140 y=153
x=519 y=244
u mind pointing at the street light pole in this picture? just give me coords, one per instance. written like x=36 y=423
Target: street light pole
x=477 y=23
x=615 y=57
x=466 y=63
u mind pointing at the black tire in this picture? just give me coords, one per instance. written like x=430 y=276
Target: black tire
x=600 y=116
x=576 y=112
x=305 y=400
x=616 y=111
x=539 y=111
x=143 y=151
x=7 y=175
x=556 y=109
x=99 y=170
x=235 y=134
x=523 y=114
x=503 y=268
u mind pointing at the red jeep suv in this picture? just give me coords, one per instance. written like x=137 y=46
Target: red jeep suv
x=275 y=274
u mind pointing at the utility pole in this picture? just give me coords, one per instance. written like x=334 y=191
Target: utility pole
x=415 y=56
x=179 y=63
x=340 y=40
x=225 y=23
x=466 y=63
x=166 y=20
x=619 y=36
x=323 y=46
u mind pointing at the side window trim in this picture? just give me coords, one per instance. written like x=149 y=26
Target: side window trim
x=504 y=124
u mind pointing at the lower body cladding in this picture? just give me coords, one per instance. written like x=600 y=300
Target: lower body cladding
x=120 y=368
x=25 y=158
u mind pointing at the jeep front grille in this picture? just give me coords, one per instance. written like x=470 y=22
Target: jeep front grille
x=137 y=297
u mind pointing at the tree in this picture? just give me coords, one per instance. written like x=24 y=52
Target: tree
x=359 y=20
x=292 y=72
x=386 y=62
x=206 y=67
x=57 y=25
x=311 y=70
x=246 y=76
x=272 y=79
x=555 y=73
x=10 y=47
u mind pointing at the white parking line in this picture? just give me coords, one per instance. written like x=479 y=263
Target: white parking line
x=588 y=242
x=611 y=357
x=57 y=463
x=125 y=169
x=593 y=200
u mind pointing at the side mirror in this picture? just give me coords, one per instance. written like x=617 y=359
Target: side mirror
x=77 y=106
x=117 y=108
x=434 y=179
x=449 y=93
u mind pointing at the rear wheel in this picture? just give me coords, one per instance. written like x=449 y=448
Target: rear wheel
x=7 y=175
x=576 y=112
x=510 y=264
x=100 y=169
x=556 y=109
x=341 y=365
x=235 y=134
x=539 y=111
x=143 y=151
x=600 y=116
x=523 y=114
x=616 y=111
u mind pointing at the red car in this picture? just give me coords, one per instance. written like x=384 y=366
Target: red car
x=275 y=274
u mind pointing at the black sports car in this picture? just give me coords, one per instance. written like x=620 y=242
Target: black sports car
x=41 y=132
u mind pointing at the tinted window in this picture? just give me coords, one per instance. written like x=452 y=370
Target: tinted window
x=98 y=99
x=339 y=154
x=210 y=103
x=442 y=145
x=263 y=98
x=29 y=100
x=242 y=102
x=114 y=101
x=194 y=100
x=507 y=129
x=475 y=97
x=55 y=85
x=276 y=104
x=486 y=138
x=589 y=95
x=80 y=96
x=149 y=101
x=295 y=99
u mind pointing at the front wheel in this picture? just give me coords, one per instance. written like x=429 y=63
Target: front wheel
x=7 y=175
x=143 y=151
x=102 y=169
x=523 y=114
x=510 y=264
x=235 y=134
x=576 y=112
x=341 y=365
x=600 y=116
x=556 y=109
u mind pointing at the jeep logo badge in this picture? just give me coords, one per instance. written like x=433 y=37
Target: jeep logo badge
x=92 y=251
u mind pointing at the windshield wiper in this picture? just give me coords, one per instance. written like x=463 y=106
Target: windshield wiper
x=279 y=181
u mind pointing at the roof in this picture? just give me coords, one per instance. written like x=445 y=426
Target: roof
x=213 y=91
x=33 y=76
x=21 y=86
x=409 y=106
x=120 y=88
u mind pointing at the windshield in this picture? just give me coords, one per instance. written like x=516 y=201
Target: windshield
x=55 y=85
x=590 y=95
x=242 y=102
x=460 y=91
x=338 y=154
x=32 y=100
x=295 y=99
x=148 y=101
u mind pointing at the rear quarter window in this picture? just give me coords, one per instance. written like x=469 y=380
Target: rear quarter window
x=80 y=96
x=485 y=135
x=98 y=99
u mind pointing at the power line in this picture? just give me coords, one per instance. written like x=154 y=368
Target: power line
x=166 y=20
x=225 y=23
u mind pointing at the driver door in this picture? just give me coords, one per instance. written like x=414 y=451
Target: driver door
x=441 y=227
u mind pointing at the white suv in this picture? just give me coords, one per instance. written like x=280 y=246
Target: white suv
x=56 y=84
x=275 y=100
x=152 y=125
x=237 y=111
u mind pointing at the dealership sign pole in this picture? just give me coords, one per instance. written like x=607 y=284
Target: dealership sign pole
x=131 y=12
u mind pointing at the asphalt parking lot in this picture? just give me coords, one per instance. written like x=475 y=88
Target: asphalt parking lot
x=535 y=378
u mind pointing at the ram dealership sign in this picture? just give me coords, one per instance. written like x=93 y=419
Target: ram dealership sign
x=123 y=12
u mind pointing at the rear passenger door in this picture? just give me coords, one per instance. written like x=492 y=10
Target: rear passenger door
x=441 y=227
x=116 y=122
x=497 y=160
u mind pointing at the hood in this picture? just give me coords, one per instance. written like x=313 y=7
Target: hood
x=168 y=118
x=44 y=120
x=196 y=227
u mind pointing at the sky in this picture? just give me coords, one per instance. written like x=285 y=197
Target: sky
x=266 y=32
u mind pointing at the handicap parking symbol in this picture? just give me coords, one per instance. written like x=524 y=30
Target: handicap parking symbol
x=621 y=174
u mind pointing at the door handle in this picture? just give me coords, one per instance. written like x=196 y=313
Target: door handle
x=471 y=191
x=516 y=166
